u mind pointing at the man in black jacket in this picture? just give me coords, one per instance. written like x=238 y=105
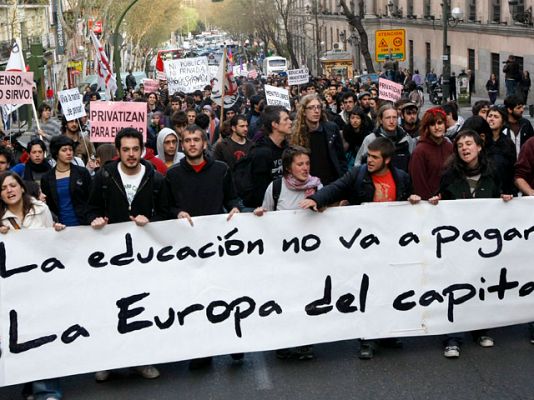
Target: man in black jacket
x=201 y=186
x=375 y=181
x=127 y=190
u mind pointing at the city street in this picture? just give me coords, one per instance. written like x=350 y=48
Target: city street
x=418 y=371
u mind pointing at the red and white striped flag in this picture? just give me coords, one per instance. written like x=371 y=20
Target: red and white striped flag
x=105 y=74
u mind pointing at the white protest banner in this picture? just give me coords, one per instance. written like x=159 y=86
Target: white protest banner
x=16 y=87
x=187 y=74
x=389 y=90
x=277 y=96
x=213 y=69
x=298 y=76
x=128 y=295
x=109 y=117
x=150 y=85
x=71 y=104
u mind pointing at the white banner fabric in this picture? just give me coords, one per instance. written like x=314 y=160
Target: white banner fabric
x=187 y=74
x=276 y=96
x=82 y=300
x=71 y=104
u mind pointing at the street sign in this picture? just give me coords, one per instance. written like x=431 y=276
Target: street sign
x=392 y=43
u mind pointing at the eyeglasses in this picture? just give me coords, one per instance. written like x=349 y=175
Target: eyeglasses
x=316 y=107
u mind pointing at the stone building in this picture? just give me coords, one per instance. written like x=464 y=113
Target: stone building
x=480 y=38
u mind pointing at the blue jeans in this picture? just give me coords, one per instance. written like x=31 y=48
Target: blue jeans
x=511 y=87
x=42 y=390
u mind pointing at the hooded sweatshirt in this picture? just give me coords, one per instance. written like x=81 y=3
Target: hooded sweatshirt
x=159 y=145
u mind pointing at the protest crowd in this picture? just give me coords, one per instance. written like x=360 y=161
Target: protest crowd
x=338 y=145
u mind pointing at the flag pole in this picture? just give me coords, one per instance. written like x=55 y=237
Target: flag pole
x=33 y=102
x=223 y=87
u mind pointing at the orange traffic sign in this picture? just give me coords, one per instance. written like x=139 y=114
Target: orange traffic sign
x=392 y=43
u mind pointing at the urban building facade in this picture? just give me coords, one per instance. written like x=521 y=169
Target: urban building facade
x=481 y=34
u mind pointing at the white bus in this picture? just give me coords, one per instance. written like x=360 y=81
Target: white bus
x=274 y=65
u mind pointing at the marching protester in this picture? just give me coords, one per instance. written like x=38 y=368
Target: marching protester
x=430 y=155
x=84 y=149
x=286 y=193
x=19 y=210
x=321 y=137
x=237 y=145
x=6 y=158
x=469 y=175
x=388 y=128
x=167 y=145
x=49 y=125
x=127 y=190
x=66 y=186
x=198 y=186
x=36 y=165
x=359 y=126
x=348 y=101
x=409 y=113
x=520 y=128
x=376 y=181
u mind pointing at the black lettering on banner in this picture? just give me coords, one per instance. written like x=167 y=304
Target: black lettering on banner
x=228 y=308
x=185 y=252
x=72 y=333
x=429 y=297
x=51 y=264
x=188 y=310
x=408 y=238
x=526 y=289
x=126 y=257
x=95 y=260
x=492 y=234
x=344 y=304
x=440 y=239
x=322 y=305
x=4 y=272
x=148 y=258
x=511 y=234
x=400 y=304
x=203 y=251
x=162 y=257
x=450 y=293
x=14 y=346
x=348 y=244
x=481 y=291
x=503 y=285
x=268 y=308
x=125 y=313
x=364 y=289
x=168 y=323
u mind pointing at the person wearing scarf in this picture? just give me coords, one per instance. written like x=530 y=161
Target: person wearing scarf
x=37 y=164
x=468 y=176
x=296 y=185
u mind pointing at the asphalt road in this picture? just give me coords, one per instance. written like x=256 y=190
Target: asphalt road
x=416 y=372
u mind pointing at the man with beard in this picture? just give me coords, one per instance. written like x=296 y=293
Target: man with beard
x=364 y=99
x=201 y=186
x=236 y=146
x=127 y=190
x=520 y=128
x=349 y=101
x=410 y=119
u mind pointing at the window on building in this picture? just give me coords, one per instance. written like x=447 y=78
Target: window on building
x=471 y=59
x=409 y=8
x=496 y=11
x=428 y=58
x=495 y=64
x=520 y=62
x=471 y=8
x=427 y=8
x=410 y=55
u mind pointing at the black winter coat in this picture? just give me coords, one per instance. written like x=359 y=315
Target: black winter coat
x=79 y=185
x=108 y=197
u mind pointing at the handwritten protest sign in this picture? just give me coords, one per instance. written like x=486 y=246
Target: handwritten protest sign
x=150 y=85
x=187 y=74
x=298 y=76
x=389 y=90
x=71 y=104
x=129 y=295
x=277 y=96
x=16 y=87
x=108 y=118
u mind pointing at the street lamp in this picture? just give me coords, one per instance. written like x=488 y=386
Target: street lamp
x=451 y=19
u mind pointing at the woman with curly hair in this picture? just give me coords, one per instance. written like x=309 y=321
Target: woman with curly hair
x=313 y=132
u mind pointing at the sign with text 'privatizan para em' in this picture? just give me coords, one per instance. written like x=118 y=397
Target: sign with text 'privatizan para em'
x=276 y=96
x=187 y=74
x=128 y=295
x=109 y=117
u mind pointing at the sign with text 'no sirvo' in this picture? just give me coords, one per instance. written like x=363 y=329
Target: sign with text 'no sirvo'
x=298 y=76
x=108 y=118
x=187 y=74
x=276 y=96
x=389 y=90
x=128 y=295
x=16 y=87
x=71 y=104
